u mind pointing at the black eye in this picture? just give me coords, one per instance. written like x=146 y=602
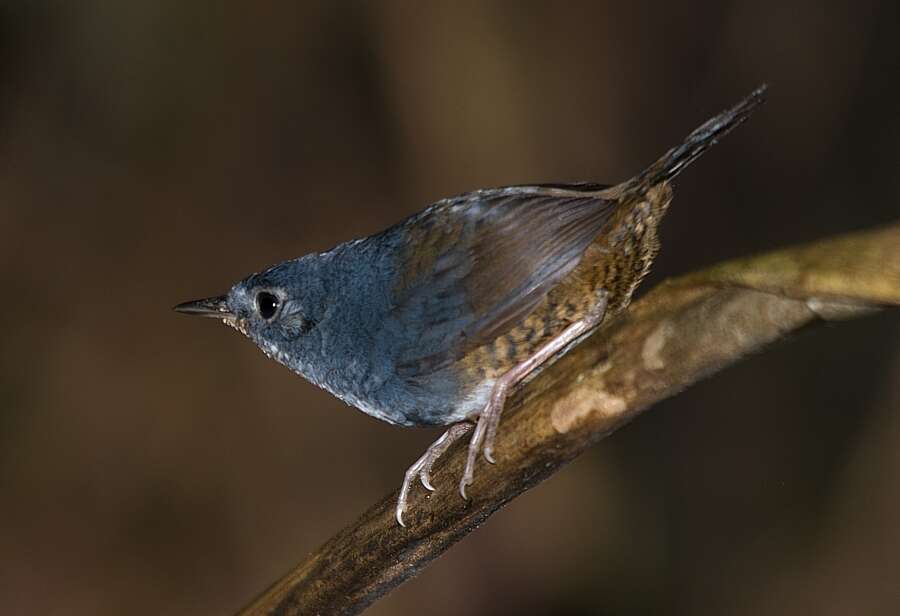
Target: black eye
x=267 y=304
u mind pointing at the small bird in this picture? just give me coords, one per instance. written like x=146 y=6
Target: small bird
x=434 y=320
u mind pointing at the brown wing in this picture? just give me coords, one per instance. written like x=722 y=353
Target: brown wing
x=480 y=263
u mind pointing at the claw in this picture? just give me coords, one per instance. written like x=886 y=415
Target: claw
x=421 y=468
x=489 y=454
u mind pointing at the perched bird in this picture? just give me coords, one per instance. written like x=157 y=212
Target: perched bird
x=434 y=320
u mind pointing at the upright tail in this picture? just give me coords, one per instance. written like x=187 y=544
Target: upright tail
x=678 y=158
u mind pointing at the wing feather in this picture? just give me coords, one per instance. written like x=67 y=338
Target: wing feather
x=483 y=261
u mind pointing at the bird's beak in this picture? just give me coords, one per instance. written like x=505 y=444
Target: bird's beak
x=215 y=307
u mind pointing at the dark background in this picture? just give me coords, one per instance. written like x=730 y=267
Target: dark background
x=156 y=151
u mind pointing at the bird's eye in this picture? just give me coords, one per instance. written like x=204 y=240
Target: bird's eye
x=267 y=304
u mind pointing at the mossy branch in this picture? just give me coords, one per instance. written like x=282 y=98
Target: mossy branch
x=680 y=332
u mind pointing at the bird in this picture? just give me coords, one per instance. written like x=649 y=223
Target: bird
x=436 y=319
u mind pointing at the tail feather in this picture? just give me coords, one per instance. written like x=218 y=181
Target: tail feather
x=678 y=158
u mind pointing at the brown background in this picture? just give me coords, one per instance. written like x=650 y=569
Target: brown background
x=155 y=151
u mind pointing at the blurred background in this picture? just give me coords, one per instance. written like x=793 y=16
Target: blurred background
x=154 y=151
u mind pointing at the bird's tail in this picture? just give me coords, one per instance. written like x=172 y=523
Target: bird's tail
x=678 y=158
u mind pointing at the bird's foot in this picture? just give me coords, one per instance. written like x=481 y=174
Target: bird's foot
x=421 y=468
x=489 y=420
x=485 y=433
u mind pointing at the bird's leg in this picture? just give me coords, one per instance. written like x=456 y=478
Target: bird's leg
x=421 y=468
x=489 y=419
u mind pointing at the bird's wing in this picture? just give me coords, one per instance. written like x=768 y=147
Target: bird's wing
x=477 y=264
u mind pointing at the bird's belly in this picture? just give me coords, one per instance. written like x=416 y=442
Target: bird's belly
x=437 y=399
x=440 y=400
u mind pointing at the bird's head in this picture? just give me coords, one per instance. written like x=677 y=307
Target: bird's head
x=278 y=309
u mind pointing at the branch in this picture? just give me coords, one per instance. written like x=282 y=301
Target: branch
x=680 y=332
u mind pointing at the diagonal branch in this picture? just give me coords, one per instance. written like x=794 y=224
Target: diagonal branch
x=680 y=332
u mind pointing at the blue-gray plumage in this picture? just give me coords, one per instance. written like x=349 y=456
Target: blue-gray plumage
x=433 y=320
x=341 y=327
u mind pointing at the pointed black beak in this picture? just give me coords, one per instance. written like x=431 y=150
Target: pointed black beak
x=215 y=307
